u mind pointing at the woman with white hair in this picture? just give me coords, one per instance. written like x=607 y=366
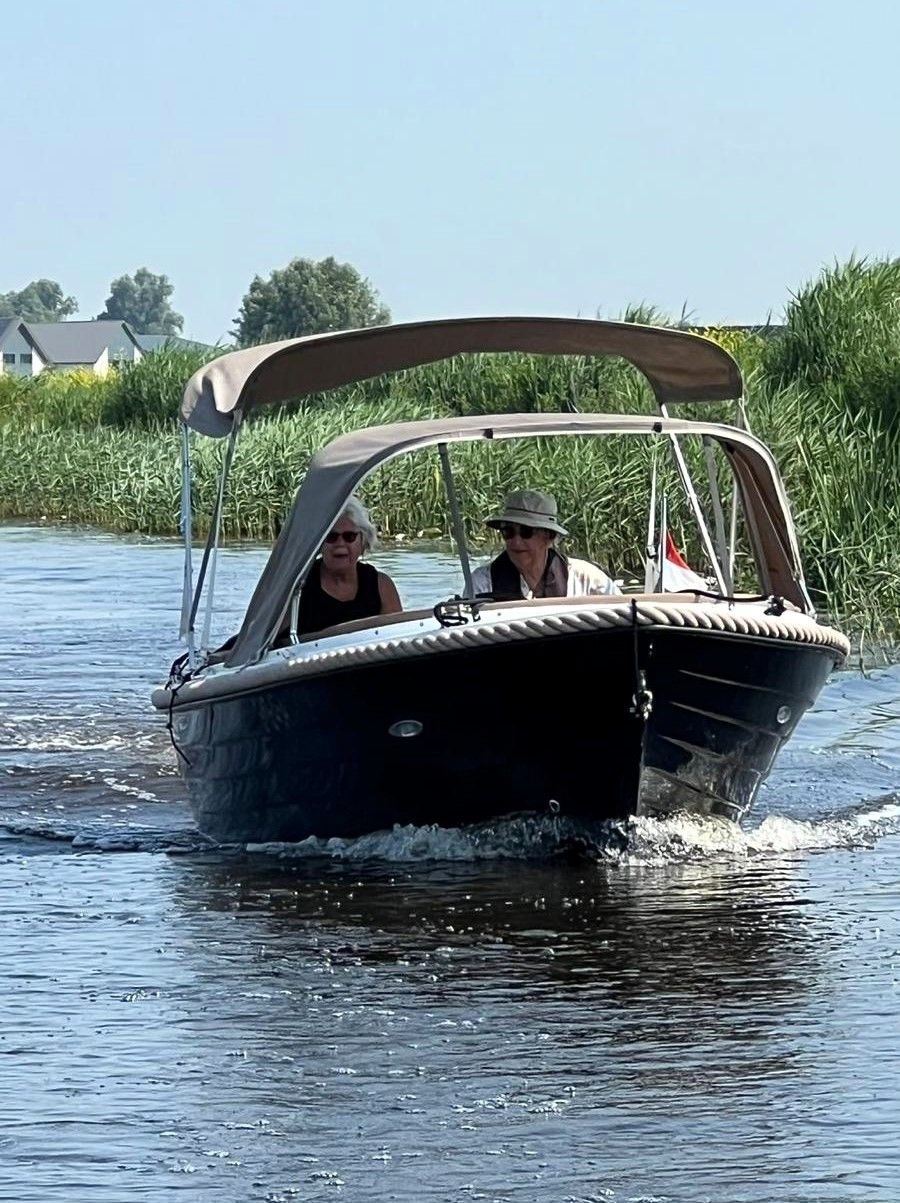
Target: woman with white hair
x=341 y=587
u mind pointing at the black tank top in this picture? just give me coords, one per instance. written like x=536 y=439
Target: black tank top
x=319 y=609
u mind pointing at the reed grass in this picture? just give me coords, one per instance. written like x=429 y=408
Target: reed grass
x=128 y=480
x=55 y=400
x=148 y=393
x=145 y=394
x=841 y=339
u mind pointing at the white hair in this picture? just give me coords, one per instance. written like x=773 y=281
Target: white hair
x=354 y=511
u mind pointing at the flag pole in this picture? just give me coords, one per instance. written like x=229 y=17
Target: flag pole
x=661 y=548
x=649 y=572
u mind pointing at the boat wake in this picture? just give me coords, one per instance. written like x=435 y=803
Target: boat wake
x=45 y=733
x=683 y=837
x=638 y=841
x=31 y=834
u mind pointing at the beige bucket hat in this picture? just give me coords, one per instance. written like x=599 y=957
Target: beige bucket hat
x=529 y=507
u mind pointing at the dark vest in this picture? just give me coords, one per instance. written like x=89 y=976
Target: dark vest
x=319 y=609
x=506 y=583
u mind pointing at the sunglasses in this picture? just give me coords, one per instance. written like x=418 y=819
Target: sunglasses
x=509 y=530
x=335 y=536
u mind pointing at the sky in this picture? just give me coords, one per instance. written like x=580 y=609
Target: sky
x=468 y=157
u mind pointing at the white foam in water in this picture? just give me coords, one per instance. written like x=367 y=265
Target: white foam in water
x=66 y=743
x=520 y=838
x=688 y=836
x=637 y=841
x=38 y=733
x=133 y=791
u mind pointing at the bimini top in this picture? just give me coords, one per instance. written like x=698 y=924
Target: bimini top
x=679 y=366
x=336 y=471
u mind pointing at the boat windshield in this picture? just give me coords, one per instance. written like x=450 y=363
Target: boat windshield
x=619 y=521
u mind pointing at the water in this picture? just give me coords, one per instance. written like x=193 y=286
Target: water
x=500 y=1014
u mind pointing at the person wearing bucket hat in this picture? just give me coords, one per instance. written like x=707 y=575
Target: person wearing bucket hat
x=531 y=565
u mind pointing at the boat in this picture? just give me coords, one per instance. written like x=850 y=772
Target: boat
x=646 y=702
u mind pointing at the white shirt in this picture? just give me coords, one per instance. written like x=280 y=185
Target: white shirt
x=583 y=580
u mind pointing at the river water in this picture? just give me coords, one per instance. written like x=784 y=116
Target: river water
x=702 y=1014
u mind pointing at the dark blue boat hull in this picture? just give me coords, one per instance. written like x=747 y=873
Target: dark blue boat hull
x=503 y=729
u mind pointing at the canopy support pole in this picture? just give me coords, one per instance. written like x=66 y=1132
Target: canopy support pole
x=695 y=506
x=725 y=548
x=295 y=616
x=212 y=543
x=742 y=424
x=186 y=629
x=659 y=587
x=459 y=531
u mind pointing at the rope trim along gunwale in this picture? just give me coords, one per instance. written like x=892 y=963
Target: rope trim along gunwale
x=285 y=665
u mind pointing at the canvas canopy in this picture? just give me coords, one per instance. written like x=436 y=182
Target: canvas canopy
x=336 y=471
x=678 y=365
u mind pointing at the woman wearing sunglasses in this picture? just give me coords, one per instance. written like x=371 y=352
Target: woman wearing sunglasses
x=340 y=586
x=531 y=564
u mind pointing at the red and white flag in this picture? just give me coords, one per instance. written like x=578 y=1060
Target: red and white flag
x=672 y=575
x=676 y=575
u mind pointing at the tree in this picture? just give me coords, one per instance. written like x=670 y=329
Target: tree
x=39 y=301
x=143 y=302
x=307 y=297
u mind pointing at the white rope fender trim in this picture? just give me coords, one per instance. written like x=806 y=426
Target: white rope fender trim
x=747 y=620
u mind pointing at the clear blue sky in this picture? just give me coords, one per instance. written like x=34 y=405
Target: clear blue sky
x=474 y=156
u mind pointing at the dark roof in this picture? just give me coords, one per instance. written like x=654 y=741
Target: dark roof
x=82 y=342
x=153 y=342
x=7 y=324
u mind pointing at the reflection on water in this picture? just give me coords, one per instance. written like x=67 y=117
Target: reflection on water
x=683 y=1012
x=611 y=934
x=510 y=1031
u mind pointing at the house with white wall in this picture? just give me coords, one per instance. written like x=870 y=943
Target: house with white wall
x=94 y=346
x=29 y=347
x=19 y=353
